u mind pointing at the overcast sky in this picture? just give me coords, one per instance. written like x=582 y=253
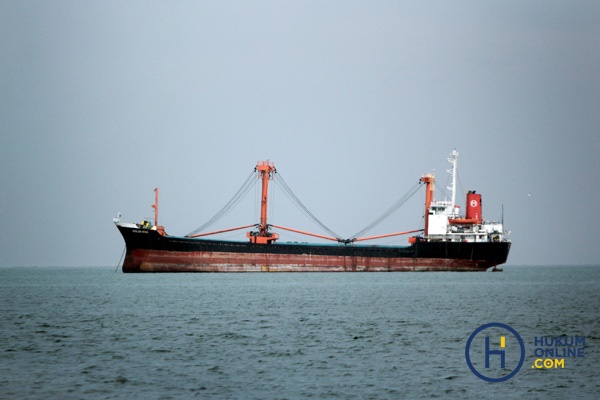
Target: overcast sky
x=101 y=102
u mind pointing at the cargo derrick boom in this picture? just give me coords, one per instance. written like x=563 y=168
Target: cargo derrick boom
x=265 y=170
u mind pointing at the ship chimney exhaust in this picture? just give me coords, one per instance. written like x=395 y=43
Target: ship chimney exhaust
x=474 y=207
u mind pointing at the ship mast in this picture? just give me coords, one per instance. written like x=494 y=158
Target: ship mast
x=160 y=229
x=452 y=171
x=155 y=206
x=428 y=180
x=265 y=170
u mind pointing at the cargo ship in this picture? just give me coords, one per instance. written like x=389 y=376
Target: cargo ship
x=449 y=241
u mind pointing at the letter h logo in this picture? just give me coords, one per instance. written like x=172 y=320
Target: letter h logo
x=489 y=352
x=497 y=376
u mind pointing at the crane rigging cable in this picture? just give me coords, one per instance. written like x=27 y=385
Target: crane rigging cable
x=278 y=179
x=390 y=210
x=239 y=195
x=286 y=189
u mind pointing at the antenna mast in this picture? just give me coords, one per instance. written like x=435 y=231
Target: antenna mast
x=453 y=159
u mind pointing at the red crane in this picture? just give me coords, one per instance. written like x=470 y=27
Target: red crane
x=265 y=169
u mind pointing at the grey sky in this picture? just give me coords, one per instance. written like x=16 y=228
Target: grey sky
x=100 y=102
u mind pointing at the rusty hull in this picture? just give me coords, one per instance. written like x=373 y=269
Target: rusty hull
x=149 y=251
x=142 y=260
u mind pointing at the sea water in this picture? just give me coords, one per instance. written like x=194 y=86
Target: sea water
x=91 y=333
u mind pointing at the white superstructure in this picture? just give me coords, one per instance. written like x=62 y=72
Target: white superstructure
x=445 y=222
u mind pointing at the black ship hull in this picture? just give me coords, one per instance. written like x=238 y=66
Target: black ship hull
x=149 y=251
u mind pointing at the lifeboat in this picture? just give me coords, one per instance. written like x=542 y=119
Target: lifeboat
x=462 y=221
